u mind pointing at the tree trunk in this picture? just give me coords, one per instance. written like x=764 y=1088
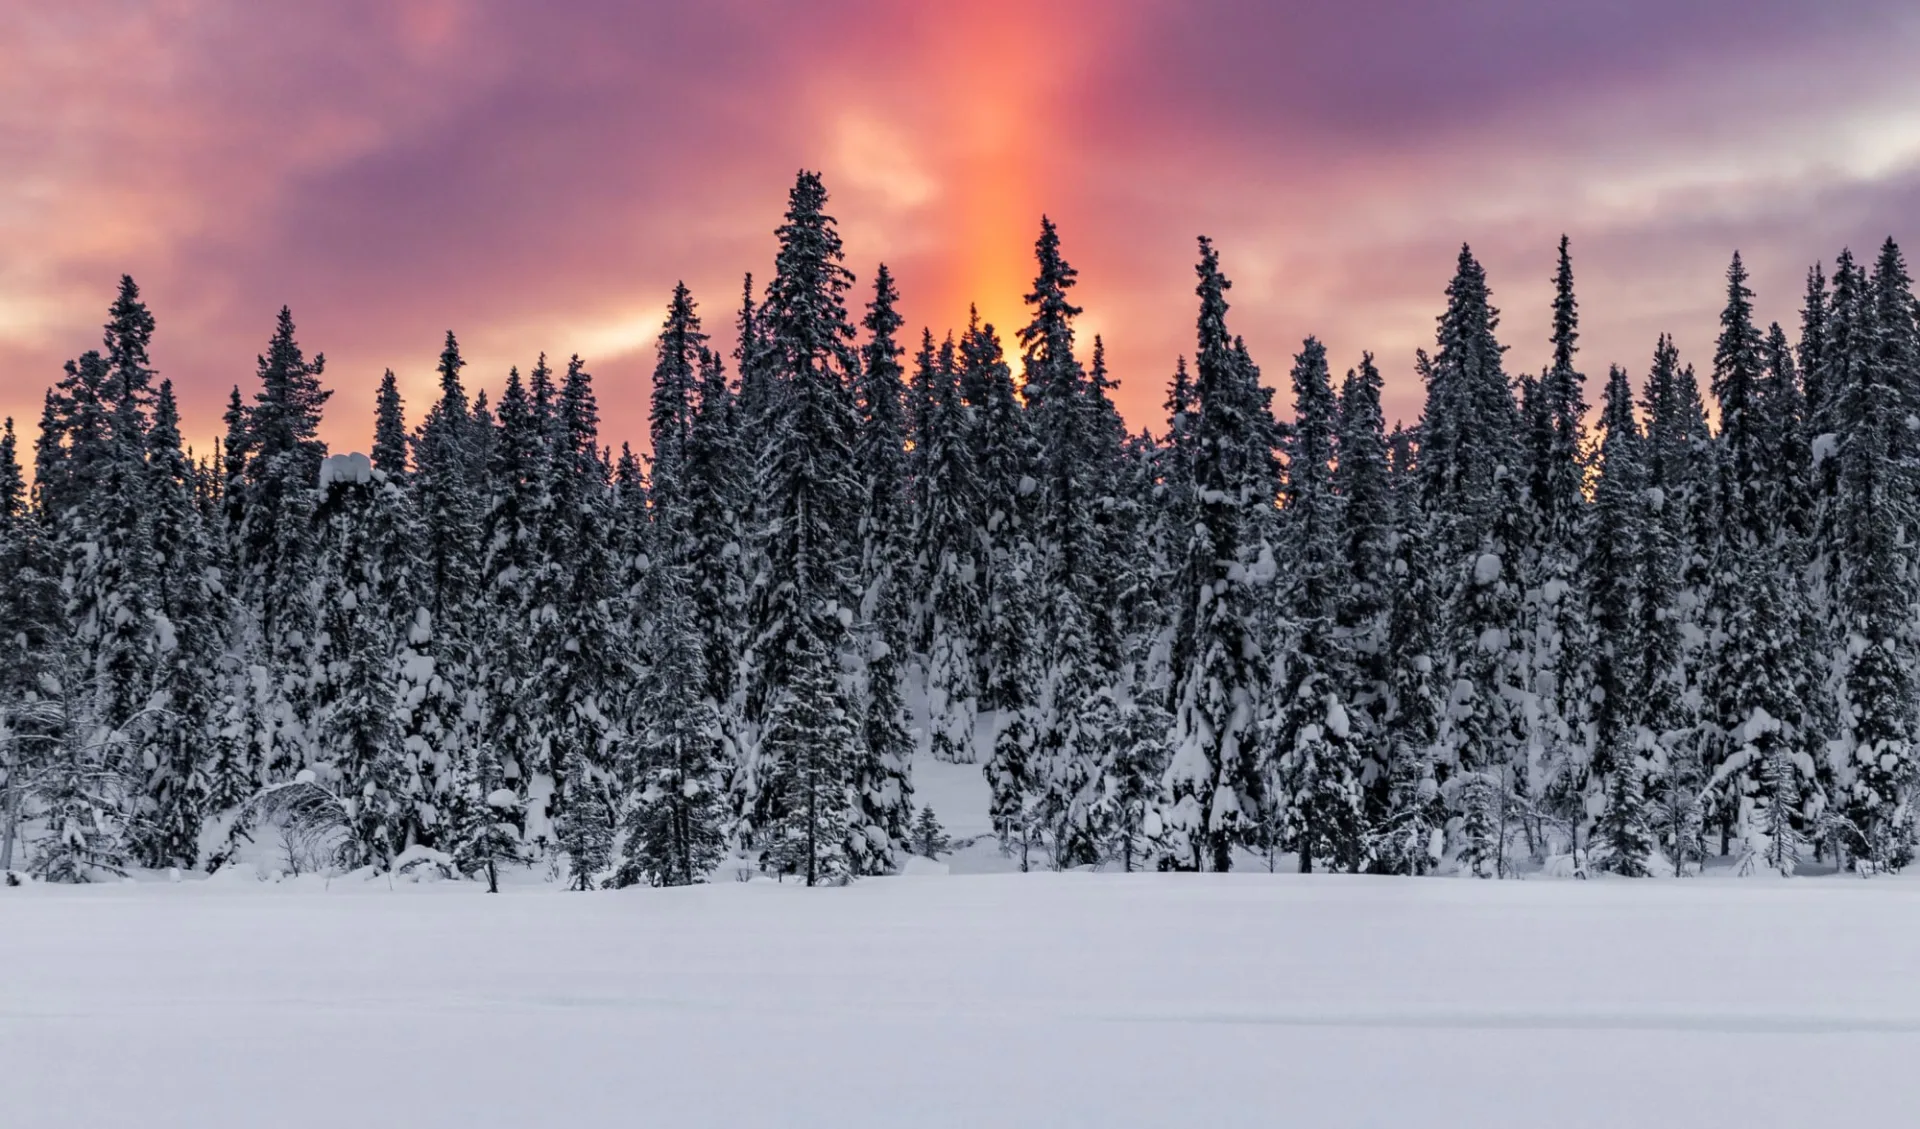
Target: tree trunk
x=9 y=818
x=813 y=825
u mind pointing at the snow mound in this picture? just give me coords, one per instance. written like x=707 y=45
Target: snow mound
x=348 y=469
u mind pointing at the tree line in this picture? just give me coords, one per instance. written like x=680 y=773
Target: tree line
x=1642 y=641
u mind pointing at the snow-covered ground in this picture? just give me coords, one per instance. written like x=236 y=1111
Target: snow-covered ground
x=988 y=1000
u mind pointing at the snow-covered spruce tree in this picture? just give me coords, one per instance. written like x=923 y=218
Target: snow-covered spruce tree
x=1468 y=458
x=805 y=606
x=1407 y=831
x=1558 y=628
x=68 y=764
x=1762 y=681
x=72 y=432
x=1875 y=590
x=1315 y=761
x=1006 y=649
x=75 y=783
x=1173 y=472
x=1075 y=713
x=33 y=630
x=665 y=514
x=187 y=654
x=275 y=545
x=1164 y=485
x=482 y=826
x=357 y=744
x=1130 y=764
x=1086 y=723
x=947 y=547
x=239 y=754
x=930 y=840
x=67 y=771
x=1613 y=584
x=389 y=452
x=674 y=827
x=1788 y=499
x=474 y=812
x=1361 y=479
x=506 y=670
x=585 y=830
x=583 y=637
x=107 y=536
x=430 y=788
x=1212 y=794
x=679 y=350
x=1666 y=613
x=881 y=777
x=449 y=504
x=1835 y=337
x=1136 y=761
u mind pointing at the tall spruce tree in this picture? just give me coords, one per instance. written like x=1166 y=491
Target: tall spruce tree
x=188 y=653
x=881 y=777
x=1469 y=457
x=389 y=452
x=274 y=544
x=1007 y=651
x=1075 y=706
x=33 y=629
x=584 y=643
x=1612 y=571
x=1315 y=755
x=449 y=496
x=110 y=581
x=1667 y=613
x=948 y=558
x=1761 y=679
x=1561 y=654
x=1875 y=590
x=507 y=671
x=1362 y=480
x=806 y=599
x=1213 y=792
x=680 y=348
x=358 y=752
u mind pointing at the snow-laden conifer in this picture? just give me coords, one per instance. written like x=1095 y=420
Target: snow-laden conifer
x=1212 y=792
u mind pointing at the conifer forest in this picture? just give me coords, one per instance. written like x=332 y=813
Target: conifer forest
x=1654 y=621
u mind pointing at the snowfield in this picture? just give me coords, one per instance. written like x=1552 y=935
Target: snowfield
x=984 y=1000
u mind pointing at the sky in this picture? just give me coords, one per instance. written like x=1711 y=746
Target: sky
x=537 y=176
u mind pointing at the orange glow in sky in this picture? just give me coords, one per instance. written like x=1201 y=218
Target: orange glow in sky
x=998 y=71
